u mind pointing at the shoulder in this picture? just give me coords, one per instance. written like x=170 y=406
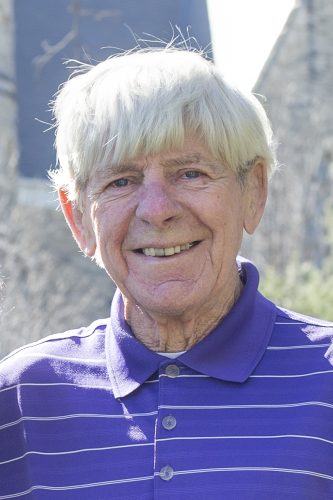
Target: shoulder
x=308 y=323
x=298 y=327
x=37 y=359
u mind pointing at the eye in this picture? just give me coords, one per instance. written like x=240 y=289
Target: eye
x=119 y=183
x=192 y=174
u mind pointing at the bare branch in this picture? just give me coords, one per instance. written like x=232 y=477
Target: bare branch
x=75 y=9
x=51 y=50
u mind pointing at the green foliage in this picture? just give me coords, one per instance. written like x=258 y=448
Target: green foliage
x=303 y=286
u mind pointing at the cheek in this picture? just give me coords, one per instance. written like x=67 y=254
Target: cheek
x=227 y=223
x=111 y=230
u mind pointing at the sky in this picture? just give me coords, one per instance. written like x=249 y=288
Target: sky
x=243 y=34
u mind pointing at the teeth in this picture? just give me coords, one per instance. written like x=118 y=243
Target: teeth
x=161 y=252
x=169 y=251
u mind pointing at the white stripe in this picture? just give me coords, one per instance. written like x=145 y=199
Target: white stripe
x=252 y=376
x=169 y=407
x=292 y=376
x=74 y=452
x=54 y=384
x=280 y=436
x=291 y=322
x=64 y=358
x=77 y=415
x=311 y=346
x=107 y=387
x=186 y=376
x=58 y=337
x=251 y=469
x=76 y=486
x=253 y=406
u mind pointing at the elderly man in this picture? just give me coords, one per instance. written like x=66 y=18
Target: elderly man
x=196 y=386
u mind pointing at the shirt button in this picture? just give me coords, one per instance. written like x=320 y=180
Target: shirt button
x=166 y=473
x=172 y=371
x=169 y=422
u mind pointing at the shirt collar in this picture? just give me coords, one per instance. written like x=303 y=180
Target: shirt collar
x=230 y=352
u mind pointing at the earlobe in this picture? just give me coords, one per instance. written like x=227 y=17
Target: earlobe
x=256 y=196
x=78 y=223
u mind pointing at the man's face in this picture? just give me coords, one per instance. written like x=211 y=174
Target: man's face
x=168 y=228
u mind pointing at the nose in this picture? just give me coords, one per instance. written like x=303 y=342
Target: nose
x=157 y=205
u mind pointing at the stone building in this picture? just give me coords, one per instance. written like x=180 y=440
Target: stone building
x=297 y=83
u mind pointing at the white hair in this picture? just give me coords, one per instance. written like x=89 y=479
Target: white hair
x=146 y=102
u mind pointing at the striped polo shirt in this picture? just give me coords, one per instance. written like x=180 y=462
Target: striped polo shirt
x=247 y=413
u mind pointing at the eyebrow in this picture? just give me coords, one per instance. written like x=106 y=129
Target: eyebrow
x=195 y=158
x=182 y=160
x=119 y=169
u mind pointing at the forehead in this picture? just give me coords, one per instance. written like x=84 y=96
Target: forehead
x=192 y=153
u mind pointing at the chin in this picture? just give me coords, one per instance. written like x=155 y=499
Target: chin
x=167 y=310
x=173 y=302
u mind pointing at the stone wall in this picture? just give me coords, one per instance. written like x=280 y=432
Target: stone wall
x=297 y=82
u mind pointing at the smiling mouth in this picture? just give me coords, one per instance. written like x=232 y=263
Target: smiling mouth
x=167 y=252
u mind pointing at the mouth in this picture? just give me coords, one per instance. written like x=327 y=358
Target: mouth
x=168 y=251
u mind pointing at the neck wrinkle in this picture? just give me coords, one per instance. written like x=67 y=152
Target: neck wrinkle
x=171 y=334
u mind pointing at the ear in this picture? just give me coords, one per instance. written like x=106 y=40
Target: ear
x=256 y=195
x=79 y=223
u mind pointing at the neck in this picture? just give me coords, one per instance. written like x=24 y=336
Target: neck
x=179 y=333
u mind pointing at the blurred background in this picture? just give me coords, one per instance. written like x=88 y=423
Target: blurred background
x=282 y=51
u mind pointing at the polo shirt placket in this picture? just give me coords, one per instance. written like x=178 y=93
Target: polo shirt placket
x=168 y=426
